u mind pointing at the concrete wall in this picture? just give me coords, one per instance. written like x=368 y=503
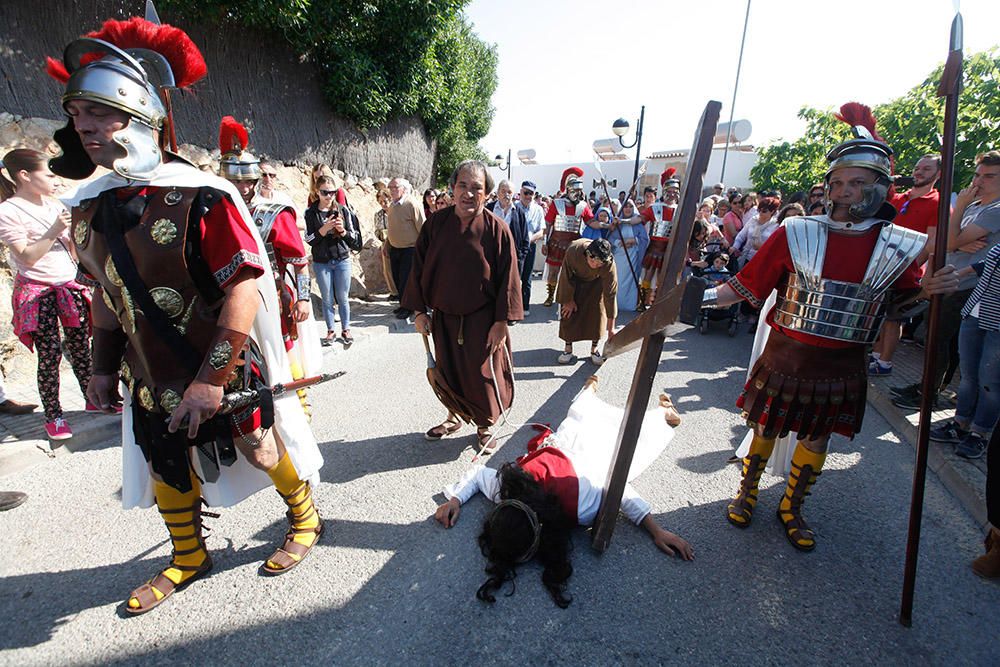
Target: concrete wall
x=252 y=76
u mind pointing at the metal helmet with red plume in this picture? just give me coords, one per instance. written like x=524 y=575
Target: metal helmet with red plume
x=571 y=184
x=129 y=66
x=667 y=179
x=868 y=151
x=236 y=162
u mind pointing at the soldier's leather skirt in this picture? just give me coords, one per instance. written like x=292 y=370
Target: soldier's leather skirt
x=809 y=390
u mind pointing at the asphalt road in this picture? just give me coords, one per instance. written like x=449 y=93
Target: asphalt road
x=387 y=585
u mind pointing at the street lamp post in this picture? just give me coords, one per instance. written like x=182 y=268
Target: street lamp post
x=500 y=164
x=620 y=128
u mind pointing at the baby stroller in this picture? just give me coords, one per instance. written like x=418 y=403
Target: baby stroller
x=730 y=315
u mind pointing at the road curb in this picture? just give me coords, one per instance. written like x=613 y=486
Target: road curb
x=971 y=497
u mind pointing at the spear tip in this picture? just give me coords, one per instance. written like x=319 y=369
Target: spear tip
x=956 y=32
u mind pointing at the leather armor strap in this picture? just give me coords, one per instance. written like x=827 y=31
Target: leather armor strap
x=109 y=348
x=223 y=353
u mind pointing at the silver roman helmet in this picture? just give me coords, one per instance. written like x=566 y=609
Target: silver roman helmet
x=236 y=163
x=869 y=153
x=130 y=66
x=127 y=80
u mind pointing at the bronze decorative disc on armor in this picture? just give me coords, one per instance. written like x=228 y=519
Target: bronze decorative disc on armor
x=163 y=231
x=112 y=272
x=146 y=399
x=80 y=232
x=221 y=355
x=108 y=302
x=169 y=400
x=126 y=373
x=169 y=300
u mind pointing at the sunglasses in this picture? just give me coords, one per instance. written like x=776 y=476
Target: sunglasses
x=328 y=193
x=265 y=174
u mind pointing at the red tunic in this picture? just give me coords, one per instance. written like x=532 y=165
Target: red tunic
x=554 y=471
x=227 y=245
x=846 y=260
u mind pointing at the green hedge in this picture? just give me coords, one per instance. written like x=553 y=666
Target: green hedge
x=382 y=59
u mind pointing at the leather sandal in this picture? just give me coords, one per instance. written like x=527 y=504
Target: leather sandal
x=671 y=415
x=282 y=556
x=487 y=441
x=443 y=430
x=147 y=598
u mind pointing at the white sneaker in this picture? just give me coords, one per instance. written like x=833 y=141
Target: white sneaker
x=597 y=358
x=566 y=358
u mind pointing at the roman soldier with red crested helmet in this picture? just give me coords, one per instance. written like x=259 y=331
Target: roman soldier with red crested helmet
x=811 y=377
x=659 y=216
x=564 y=223
x=277 y=225
x=182 y=304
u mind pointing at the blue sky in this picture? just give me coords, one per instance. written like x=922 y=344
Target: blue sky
x=569 y=69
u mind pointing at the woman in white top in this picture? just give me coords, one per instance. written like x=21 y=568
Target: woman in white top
x=34 y=227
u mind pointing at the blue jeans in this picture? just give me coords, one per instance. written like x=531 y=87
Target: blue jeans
x=334 y=278
x=979 y=392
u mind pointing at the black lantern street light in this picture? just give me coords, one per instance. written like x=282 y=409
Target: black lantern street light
x=501 y=165
x=620 y=127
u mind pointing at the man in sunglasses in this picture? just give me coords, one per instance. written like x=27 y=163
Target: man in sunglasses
x=535 y=216
x=267 y=192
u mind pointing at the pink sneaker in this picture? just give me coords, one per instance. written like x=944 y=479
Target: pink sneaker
x=93 y=409
x=58 y=429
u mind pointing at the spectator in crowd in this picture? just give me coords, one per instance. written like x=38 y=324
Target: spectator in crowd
x=443 y=200
x=35 y=229
x=534 y=216
x=267 y=190
x=732 y=223
x=757 y=231
x=382 y=234
x=648 y=198
x=318 y=171
x=593 y=201
x=629 y=238
x=749 y=206
x=973 y=229
x=979 y=355
x=621 y=196
x=597 y=227
x=332 y=233
x=799 y=197
x=467 y=304
x=816 y=195
x=721 y=208
x=916 y=209
x=789 y=210
x=516 y=219
x=587 y=295
x=430 y=202
x=817 y=208
x=406 y=218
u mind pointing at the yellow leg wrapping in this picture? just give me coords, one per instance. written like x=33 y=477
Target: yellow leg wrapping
x=740 y=511
x=182 y=514
x=550 y=298
x=806 y=467
x=298 y=374
x=298 y=496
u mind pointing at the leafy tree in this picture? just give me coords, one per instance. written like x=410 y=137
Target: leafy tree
x=911 y=124
x=382 y=59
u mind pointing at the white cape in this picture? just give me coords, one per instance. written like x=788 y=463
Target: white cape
x=240 y=480
x=780 y=462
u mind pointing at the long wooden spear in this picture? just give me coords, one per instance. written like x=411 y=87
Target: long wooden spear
x=949 y=88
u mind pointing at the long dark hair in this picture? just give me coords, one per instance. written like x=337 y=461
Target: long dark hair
x=507 y=535
x=19 y=159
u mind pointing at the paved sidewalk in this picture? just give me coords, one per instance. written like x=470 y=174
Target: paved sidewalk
x=964 y=478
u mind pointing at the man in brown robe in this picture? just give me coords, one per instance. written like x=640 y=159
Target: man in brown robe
x=588 y=295
x=465 y=271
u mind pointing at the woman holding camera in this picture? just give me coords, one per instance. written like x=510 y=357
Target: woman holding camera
x=332 y=234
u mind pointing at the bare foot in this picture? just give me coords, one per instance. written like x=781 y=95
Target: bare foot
x=670 y=413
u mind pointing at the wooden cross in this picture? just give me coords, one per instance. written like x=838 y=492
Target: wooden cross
x=649 y=327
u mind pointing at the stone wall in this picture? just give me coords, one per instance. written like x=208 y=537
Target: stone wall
x=251 y=75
